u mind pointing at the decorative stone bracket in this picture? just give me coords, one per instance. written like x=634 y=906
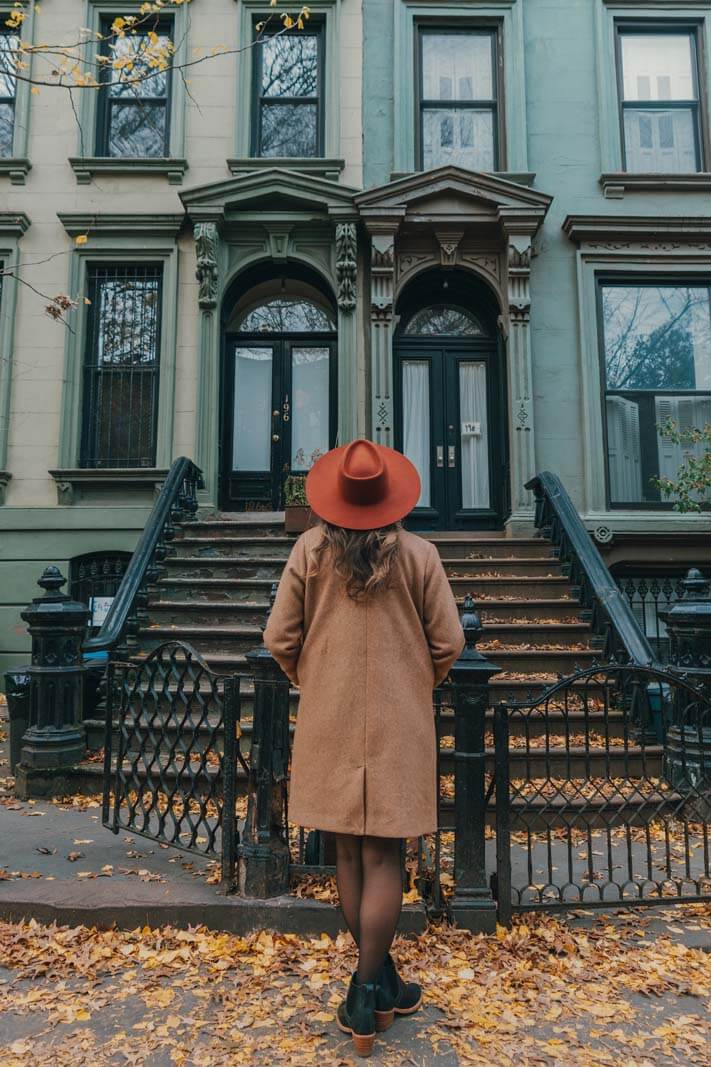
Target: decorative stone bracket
x=346 y=265
x=206 y=270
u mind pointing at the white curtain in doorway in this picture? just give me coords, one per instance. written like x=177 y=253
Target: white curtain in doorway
x=416 y=421
x=474 y=435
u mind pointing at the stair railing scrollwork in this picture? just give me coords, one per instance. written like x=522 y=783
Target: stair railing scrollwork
x=177 y=502
x=612 y=620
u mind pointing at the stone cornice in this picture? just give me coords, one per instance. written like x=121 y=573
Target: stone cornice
x=116 y=225
x=615 y=185
x=86 y=167
x=13 y=223
x=584 y=229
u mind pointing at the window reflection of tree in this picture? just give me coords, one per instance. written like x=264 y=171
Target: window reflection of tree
x=444 y=320
x=641 y=353
x=284 y=315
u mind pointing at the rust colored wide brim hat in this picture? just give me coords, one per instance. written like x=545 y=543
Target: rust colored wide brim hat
x=362 y=486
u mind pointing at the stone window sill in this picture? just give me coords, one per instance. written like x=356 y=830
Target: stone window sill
x=323 y=168
x=615 y=186
x=77 y=484
x=85 y=168
x=15 y=168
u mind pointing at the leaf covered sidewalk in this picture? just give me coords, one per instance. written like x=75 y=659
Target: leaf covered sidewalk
x=624 y=989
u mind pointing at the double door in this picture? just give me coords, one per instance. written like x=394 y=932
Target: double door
x=279 y=416
x=451 y=426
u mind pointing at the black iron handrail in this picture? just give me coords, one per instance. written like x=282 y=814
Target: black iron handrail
x=611 y=616
x=177 y=501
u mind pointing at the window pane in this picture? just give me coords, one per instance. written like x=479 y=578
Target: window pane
x=416 y=421
x=474 y=435
x=139 y=51
x=457 y=66
x=441 y=319
x=657 y=337
x=635 y=446
x=9 y=43
x=285 y=315
x=290 y=65
x=121 y=367
x=137 y=130
x=309 y=407
x=660 y=141
x=463 y=138
x=7 y=126
x=658 y=67
x=124 y=409
x=251 y=439
x=289 y=130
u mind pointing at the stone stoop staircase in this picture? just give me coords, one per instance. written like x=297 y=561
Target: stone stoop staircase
x=214 y=595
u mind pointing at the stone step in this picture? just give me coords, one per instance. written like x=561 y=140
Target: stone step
x=246 y=524
x=512 y=654
x=221 y=613
x=517 y=587
x=463 y=547
x=532 y=567
x=237 y=548
x=579 y=813
x=207 y=613
x=210 y=566
x=226 y=590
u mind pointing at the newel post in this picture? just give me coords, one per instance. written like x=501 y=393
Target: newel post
x=472 y=905
x=55 y=738
x=264 y=849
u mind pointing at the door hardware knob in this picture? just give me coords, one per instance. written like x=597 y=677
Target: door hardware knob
x=275 y=413
x=275 y=437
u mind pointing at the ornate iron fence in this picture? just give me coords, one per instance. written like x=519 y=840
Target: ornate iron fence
x=603 y=792
x=172 y=753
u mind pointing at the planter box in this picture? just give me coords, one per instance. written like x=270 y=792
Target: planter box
x=298 y=517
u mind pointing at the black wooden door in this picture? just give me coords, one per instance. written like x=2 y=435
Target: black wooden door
x=279 y=415
x=450 y=424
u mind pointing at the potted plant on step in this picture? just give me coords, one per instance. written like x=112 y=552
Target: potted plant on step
x=297 y=513
x=296 y=507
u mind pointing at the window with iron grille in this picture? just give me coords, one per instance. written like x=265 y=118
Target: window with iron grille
x=458 y=89
x=659 y=83
x=288 y=94
x=9 y=44
x=121 y=365
x=94 y=580
x=656 y=365
x=134 y=115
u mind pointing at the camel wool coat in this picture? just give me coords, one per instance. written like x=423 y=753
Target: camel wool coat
x=364 y=751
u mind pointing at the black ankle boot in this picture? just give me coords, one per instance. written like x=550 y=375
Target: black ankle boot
x=393 y=996
x=356 y=1015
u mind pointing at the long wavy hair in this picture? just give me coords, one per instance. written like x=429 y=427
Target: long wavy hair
x=362 y=558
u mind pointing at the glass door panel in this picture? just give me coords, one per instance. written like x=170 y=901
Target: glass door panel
x=474 y=435
x=309 y=405
x=416 y=421
x=251 y=438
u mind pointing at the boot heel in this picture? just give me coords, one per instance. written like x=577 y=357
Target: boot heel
x=363 y=1044
x=384 y=1020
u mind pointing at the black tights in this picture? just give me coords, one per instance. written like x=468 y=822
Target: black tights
x=369 y=877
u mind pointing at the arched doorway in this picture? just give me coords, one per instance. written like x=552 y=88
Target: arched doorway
x=279 y=385
x=450 y=401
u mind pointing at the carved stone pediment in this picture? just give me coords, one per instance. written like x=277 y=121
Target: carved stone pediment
x=453 y=195
x=277 y=191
